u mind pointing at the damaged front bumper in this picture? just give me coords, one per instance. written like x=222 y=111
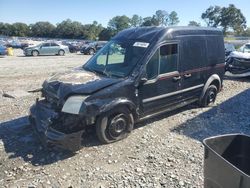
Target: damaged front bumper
x=44 y=119
x=238 y=66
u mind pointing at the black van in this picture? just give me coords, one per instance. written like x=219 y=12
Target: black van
x=140 y=73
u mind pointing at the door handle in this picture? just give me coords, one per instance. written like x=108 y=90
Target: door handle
x=187 y=75
x=176 y=78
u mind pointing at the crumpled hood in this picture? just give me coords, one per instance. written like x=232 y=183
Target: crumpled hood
x=240 y=55
x=77 y=81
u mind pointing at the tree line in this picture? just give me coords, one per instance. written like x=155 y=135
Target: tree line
x=76 y=30
x=230 y=19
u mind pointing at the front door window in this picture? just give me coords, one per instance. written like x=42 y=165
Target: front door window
x=165 y=60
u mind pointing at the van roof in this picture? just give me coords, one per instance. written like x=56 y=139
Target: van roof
x=149 y=34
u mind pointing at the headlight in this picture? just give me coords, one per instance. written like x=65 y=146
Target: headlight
x=73 y=104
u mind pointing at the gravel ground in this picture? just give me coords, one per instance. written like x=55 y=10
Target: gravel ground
x=165 y=151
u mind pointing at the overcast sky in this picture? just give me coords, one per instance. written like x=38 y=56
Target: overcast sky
x=86 y=11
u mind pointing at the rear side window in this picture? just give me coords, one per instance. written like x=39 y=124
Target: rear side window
x=215 y=49
x=165 y=60
x=46 y=45
x=193 y=53
x=54 y=44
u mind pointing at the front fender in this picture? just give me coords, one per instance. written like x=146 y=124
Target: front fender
x=117 y=102
x=92 y=108
x=99 y=106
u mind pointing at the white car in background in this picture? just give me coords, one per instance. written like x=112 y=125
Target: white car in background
x=245 y=48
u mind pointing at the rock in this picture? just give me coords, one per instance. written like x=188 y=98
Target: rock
x=181 y=183
x=138 y=170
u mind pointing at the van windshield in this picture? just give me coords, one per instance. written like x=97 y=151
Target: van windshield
x=116 y=58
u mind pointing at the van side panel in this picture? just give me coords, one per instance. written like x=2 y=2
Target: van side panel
x=193 y=63
x=215 y=50
x=216 y=56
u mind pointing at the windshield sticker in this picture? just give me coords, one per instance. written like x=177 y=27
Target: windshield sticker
x=141 y=44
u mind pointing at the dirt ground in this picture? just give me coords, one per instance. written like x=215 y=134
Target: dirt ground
x=165 y=151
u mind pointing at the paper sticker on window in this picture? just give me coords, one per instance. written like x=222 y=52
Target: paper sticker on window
x=141 y=44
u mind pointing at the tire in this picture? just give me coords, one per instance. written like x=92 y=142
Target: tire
x=61 y=52
x=35 y=53
x=114 y=125
x=91 y=51
x=209 y=97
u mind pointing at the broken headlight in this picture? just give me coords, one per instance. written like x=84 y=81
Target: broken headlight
x=73 y=104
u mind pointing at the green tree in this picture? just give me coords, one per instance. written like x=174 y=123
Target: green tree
x=212 y=16
x=173 y=18
x=225 y=17
x=194 y=23
x=42 y=29
x=150 y=21
x=246 y=33
x=119 y=23
x=92 y=31
x=19 y=29
x=231 y=17
x=5 y=29
x=136 y=20
x=161 y=16
x=106 y=34
x=69 y=29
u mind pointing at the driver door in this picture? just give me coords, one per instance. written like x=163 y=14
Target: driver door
x=44 y=49
x=160 y=91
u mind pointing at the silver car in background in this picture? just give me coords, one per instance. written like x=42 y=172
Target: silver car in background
x=47 y=48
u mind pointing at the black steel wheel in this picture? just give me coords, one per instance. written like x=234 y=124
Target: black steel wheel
x=210 y=96
x=114 y=125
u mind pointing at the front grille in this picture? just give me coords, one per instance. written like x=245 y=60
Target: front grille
x=51 y=99
x=240 y=63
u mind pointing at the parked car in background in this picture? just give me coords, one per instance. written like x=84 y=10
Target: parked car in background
x=229 y=47
x=17 y=44
x=92 y=47
x=238 y=64
x=73 y=47
x=47 y=48
x=3 y=50
x=245 y=48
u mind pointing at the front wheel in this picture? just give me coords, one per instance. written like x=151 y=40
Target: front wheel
x=35 y=53
x=61 y=52
x=114 y=125
x=209 y=97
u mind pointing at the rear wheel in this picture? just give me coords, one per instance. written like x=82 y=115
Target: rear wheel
x=91 y=51
x=210 y=96
x=61 y=52
x=114 y=125
x=35 y=53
